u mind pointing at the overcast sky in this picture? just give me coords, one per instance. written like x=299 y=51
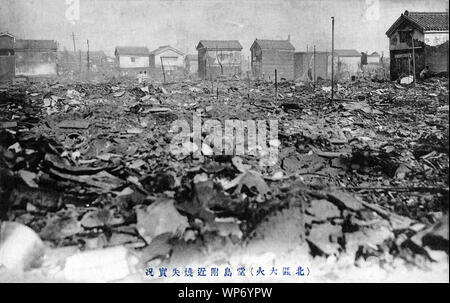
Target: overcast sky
x=359 y=24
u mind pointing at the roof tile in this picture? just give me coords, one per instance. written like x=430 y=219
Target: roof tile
x=430 y=21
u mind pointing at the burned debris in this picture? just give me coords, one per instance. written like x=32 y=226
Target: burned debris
x=98 y=181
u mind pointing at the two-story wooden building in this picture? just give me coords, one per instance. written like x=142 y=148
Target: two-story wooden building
x=423 y=33
x=219 y=58
x=271 y=55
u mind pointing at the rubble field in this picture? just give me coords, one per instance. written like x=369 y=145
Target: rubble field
x=91 y=190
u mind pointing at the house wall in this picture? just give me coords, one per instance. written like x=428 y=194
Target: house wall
x=435 y=39
x=395 y=43
x=402 y=64
x=36 y=62
x=373 y=59
x=348 y=66
x=210 y=61
x=281 y=60
x=256 y=61
x=264 y=63
x=6 y=67
x=6 y=42
x=139 y=61
x=436 y=57
x=191 y=66
x=172 y=60
x=7 y=59
x=202 y=61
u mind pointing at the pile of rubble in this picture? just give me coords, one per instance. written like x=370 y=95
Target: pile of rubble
x=89 y=186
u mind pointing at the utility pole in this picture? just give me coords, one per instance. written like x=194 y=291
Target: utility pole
x=248 y=87
x=73 y=39
x=413 y=59
x=79 y=51
x=164 y=72
x=276 y=86
x=332 y=58
x=314 y=70
x=88 y=64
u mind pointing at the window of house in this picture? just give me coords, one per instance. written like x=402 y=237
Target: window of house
x=133 y=59
x=404 y=36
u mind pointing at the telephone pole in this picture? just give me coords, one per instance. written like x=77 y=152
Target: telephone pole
x=332 y=58
x=413 y=60
x=314 y=71
x=73 y=39
x=88 y=64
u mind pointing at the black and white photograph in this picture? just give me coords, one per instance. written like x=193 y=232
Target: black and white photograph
x=245 y=142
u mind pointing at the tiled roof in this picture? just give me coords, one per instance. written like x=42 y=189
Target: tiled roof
x=430 y=21
x=274 y=44
x=132 y=50
x=347 y=53
x=220 y=44
x=425 y=21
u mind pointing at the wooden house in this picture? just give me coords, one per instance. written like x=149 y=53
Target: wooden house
x=132 y=59
x=168 y=56
x=270 y=55
x=425 y=33
x=219 y=58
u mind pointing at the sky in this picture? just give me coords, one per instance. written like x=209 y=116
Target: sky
x=359 y=24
